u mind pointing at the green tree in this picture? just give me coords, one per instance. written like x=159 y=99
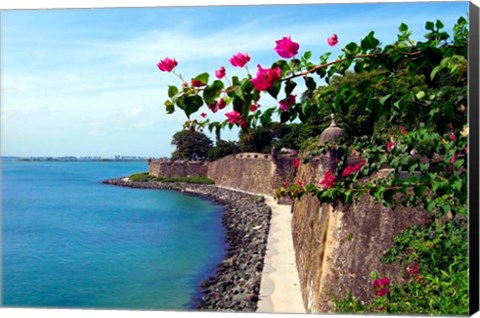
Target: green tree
x=223 y=148
x=191 y=145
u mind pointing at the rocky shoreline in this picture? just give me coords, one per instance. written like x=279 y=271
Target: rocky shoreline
x=246 y=218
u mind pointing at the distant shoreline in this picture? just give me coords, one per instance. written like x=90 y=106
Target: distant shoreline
x=246 y=219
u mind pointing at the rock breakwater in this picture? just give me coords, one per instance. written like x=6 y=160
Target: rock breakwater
x=246 y=218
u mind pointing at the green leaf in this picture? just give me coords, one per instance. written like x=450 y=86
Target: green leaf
x=192 y=104
x=211 y=92
x=403 y=27
x=439 y=24
x=388 y=196
x=369 y=42
x=352 y=48
x=384 y=99
x=170 y=107
x=420 y=95
x=310 y=82
x=203 y=77
x=306 y=107
x=307 y=55
x=172 y=91
x=430 y=26
x=275 y=89
x=289 y=87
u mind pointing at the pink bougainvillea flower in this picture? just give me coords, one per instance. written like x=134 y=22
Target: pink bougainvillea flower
x=203 y=115
x=220 y=73
x=300 y=183
x=333 y=40
x=253 y=108
x=266 y=77
x=213 y=106
x=390 y=145
x=287 y=102
x=286 y=48
x=328 y=180
x=403 y=131
x=381 y=282
x=242 y=122
x=197 y=83
x=351 y=169
x=453 y=137
x=233 y=117
x=414 y=270
x=452 y=160
x=167 y=64
x=382 y=292
x=185 y=84
x=296 y=163
x=221 y=104
x=240 y=59
x=285 y=184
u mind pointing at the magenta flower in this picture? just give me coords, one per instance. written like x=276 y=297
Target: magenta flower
x=287 y=102
x=167 y=65
x=233 y=117
x=381 y=282
x=351 y=169
x=333 y=40
x=452 y=160
x=197 y=83
x=453 y=137
x=266 y=77
x=213 y=106
x=286 y=48
x=382 y=292
x=296 y=163
x=221 y=104
x=220 y=73
x=390 y=145
x=240 y=59
x=253 y=108
x=328 y=180
x=203 y=115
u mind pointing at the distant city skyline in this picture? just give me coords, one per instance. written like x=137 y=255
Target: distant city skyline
x=83 y=82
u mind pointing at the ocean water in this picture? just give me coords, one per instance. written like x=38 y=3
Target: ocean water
x=70 y=241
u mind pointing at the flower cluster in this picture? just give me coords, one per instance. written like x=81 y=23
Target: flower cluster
x=167 y=64
x=380 y=286
x=266 y=77
x=296 y=163
x=351 y=169
x=240 y=59
x=328 y=180
x=286 y=48
x=287 y=102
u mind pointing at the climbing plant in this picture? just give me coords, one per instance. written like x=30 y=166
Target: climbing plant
x=414 y=96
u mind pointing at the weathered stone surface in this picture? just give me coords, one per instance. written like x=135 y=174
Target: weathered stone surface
x=337 y=249
x=252 y=172
x=246 y=218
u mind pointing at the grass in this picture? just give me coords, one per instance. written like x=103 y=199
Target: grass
x=145 y=177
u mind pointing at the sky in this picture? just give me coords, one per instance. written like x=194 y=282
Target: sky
x=85 y=82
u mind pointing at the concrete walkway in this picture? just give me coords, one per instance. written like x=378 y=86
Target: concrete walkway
x=280 y=287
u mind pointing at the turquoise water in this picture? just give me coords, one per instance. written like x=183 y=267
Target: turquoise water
x=71 y=242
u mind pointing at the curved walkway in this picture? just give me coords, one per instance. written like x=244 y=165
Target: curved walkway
x=280 y=287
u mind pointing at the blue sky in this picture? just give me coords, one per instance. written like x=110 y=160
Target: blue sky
x=85 y=82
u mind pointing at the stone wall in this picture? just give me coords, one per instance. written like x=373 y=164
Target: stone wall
x=337 y=248
x=178 y=168
x=252 y=172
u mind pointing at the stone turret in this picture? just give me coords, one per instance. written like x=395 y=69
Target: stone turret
x=331 y=135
